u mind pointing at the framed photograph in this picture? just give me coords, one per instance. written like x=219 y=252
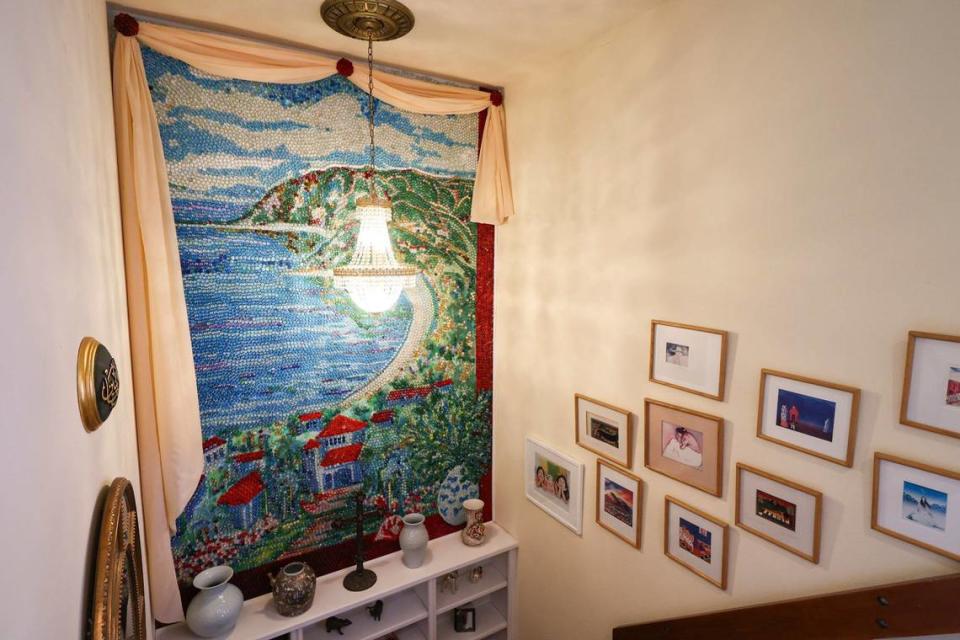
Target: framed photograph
x=813 y=416
x=619 y=497
x=554 y=482
x=687 y=357
x=917 y=503
x=696 y=540
x=464 y=619
x=684 y=444
x=931 y=384
x=779 y=511
x=604 y=429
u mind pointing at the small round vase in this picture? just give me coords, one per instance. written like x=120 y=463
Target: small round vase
x=413 y=540
x=215 y=609
x=475 y=532
x=293 y=589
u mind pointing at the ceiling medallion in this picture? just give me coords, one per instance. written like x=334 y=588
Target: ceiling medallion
x=368 y=19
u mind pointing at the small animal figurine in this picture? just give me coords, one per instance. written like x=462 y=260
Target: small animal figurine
x=337 y=624
x=476 y=574
x=376 y=610
x=450 y=582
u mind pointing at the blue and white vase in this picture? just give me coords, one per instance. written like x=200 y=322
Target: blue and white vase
x=215 y=609
x=453 y=491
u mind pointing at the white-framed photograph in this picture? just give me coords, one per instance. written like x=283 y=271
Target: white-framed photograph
x=604 y=429
x=917 y=503
x=619 y=497
x=779 y=511
x=931 y=383
x=813 y=416
x=696 y=540
x=688 y=357
x=554 y=482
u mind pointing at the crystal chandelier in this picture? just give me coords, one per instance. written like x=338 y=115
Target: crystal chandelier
x=374 y=279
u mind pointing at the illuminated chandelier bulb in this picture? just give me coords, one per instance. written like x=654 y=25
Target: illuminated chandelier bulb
x=374 y=279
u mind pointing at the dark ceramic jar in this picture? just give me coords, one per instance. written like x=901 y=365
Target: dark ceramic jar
x=293 y=589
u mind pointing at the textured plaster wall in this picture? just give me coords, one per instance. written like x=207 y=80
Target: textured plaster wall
x=784 y=170
x=61 y=262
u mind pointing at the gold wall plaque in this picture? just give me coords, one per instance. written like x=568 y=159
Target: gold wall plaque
x=98 y=383
x=119 y=608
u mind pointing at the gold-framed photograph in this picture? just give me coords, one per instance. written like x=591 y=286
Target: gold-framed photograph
x=780 y=511
x=808 y=415
x=688 y=357
x=684 y=444
x=917 y=503
x=604 y=429
x=696 y=541
x=619 y=500
x=931 y=383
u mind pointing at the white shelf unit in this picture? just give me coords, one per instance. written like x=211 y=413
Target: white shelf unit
x=415 y=606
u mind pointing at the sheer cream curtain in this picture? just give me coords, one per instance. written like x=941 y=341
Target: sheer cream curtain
x=167 y=408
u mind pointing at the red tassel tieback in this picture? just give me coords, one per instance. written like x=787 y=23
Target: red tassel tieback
x=344 y=67
x=125 y=24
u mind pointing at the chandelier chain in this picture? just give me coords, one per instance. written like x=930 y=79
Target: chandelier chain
x=372 y=107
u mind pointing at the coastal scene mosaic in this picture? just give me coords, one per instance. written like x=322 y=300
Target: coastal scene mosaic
x=305 y=399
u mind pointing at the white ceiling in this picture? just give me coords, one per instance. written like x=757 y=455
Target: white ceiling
x=487 y=41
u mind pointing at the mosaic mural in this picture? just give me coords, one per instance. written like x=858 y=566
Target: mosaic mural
x=304 y=398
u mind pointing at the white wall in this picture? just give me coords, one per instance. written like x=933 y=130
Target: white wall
x=61 y=278
x=784 y=170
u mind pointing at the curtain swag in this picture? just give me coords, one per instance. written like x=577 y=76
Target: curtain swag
x=167 y=407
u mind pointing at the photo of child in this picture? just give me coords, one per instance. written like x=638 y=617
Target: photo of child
x=682 y=444
x=552 y=479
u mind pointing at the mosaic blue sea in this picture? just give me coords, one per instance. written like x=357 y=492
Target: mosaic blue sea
x=285 y=341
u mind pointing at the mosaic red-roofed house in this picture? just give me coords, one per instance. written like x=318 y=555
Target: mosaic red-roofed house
x=341 y=431
x=310 y=421
x=401 y=397
x=383 y=418
x=244 y=500
x=341 y=467
x=248 y=461
x=331 y=459
x=214 y=450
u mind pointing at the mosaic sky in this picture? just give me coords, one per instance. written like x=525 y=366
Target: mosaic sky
x=227 y=140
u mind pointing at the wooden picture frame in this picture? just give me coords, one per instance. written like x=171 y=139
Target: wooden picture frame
x=707 y=430
x=721 y=526
x=943 y=478
x=606 y=518
x=768 y=526
x=673 y=365
x=919 y=393
x=589 y=412
x=800 y=437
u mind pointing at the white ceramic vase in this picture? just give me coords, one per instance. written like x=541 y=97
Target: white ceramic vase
x=475 y=532
x=215 y=609
x=413 y=540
